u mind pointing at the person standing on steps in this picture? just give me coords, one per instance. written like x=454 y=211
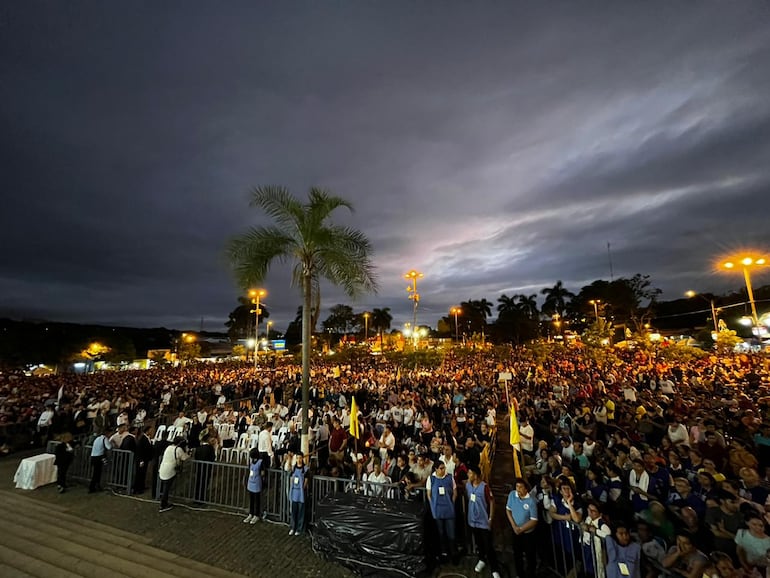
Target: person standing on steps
x=98 y=458
x=481 y=510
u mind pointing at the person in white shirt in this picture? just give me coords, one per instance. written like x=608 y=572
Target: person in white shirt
x=408 y=417
x=387 y=442
x=448 y=458
x=398 y=417
x=265 y=444
x=180 y=423
x=173 y=458
x=527 y=436
x=374 y=482
x=677 y=432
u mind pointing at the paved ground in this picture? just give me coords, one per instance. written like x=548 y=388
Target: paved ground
x=213 y=537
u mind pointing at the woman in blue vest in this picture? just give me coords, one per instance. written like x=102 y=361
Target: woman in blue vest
x=254 y=487
x=297 y=489
x=481 y=509
x=442 y=493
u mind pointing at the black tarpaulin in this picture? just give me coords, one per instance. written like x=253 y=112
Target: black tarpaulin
x=372 y=536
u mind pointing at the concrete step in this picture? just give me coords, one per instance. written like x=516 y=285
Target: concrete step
x=66 y=527
x=11 y=572
x=36 y=505
x=95 y=544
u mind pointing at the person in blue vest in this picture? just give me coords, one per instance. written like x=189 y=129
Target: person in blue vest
x=254 y=487
x=297 y=490
x=521 y=510
x=481 y=509
x=442 y=493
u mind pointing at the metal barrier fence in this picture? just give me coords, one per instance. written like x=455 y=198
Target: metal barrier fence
x=574 y=550
x=118 y=473
x=223 y=485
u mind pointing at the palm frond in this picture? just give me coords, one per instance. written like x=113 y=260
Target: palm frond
x=253 y=252
x=277 y=202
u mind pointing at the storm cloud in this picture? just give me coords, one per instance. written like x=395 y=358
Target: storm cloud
x=496 y=147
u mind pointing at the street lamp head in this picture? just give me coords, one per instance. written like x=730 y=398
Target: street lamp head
x=413 y=275
x=254 y=293
x=690 y=293
x=744 y=259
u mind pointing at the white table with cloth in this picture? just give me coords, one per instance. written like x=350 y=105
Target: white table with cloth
x=35 y=472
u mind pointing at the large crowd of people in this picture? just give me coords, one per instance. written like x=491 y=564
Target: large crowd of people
x=630 y=465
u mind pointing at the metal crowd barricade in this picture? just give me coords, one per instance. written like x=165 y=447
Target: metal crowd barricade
x=575 y=551
x=212 y=483
x=275 y=496
x=223 y=485
x=118 y=473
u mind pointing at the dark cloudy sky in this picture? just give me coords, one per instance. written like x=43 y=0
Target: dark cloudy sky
x=494 y=146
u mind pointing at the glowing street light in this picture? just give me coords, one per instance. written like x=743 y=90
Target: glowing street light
x=456 y=311
x=595 y=303
x=692 y=294
x=256 y=295
x=412 y=276
x=269 y=325
x=746 y=262
x=366 y=326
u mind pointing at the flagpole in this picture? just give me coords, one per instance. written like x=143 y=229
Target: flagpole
x=513 y=423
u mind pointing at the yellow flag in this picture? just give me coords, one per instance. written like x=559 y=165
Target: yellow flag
x=515 y=437
x=354 y=429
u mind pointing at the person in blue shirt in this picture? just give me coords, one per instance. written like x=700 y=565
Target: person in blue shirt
x=254 y=487
x=442 y=493
x=481 y=510
x=297 y=488
x=521 y=510
x=624 y=557
x=98 y=456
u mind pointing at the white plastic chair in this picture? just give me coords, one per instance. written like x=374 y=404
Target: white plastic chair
x=159 y=433
x=229 y=453
x=171 y=433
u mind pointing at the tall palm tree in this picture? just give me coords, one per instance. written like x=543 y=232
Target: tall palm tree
x=556 y=299
x=528 y=305
x=302 y=234
x=381 y=320
x=506 y=306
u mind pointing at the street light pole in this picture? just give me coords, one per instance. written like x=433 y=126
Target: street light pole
x=456 y=311
x=747 y=262
x=255 y=295
x=415 y=297
x=711 y=303
x=366 y=327
x=595 y=303
x=747 y=277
